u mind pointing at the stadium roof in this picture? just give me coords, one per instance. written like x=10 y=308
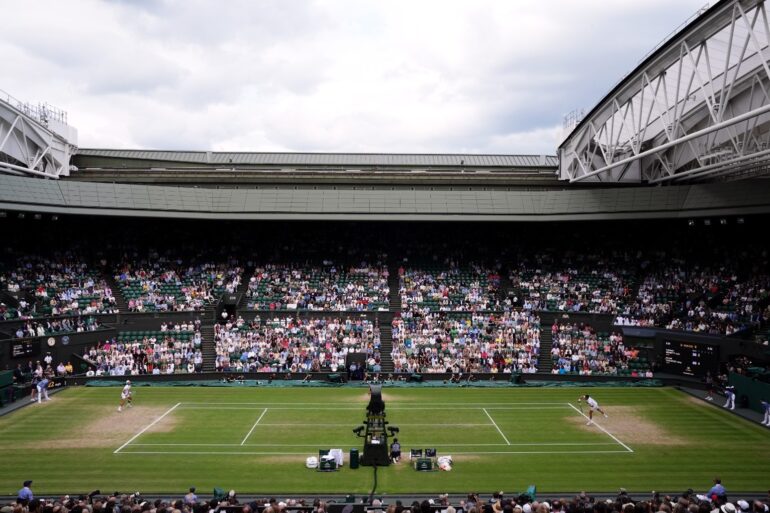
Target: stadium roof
x=695 y=109
x=326 y=159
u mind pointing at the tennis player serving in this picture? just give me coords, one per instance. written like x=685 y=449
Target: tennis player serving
x=593 y=405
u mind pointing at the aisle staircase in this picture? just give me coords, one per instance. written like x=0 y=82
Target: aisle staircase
x=120 y=300
x=394 y=285
x=208 y=347
x=386 y=342
x=545 y=362
x=505 y=286
x=248 y=272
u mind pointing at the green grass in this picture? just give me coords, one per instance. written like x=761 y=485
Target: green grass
x=256 y=441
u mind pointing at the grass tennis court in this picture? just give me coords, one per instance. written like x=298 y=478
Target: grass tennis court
x=256 y=440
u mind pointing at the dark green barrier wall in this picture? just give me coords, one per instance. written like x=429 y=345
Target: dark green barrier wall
x=754 y=389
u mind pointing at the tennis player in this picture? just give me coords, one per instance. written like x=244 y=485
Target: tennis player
x=125 y=396
x=766 y=409
x=593 y=406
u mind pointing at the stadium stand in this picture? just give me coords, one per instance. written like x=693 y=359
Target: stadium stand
x=531 y=501
x=719 y=292
x=175 y=280
x=481 y=342
x=287 y=344
x=362 y=287
x=164 y=351
x=577 y=348
x=59 y=326
x=62 y=284
x=596 y=282
x=450 y=287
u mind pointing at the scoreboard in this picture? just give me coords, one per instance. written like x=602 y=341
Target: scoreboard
x=690 y=358
x=25 y=349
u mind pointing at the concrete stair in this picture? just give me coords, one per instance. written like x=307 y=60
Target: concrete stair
x=208 y=346
x=386 y=343
x=248 y=272
x=120 y=301
x=393 y=284
x=505 y=286
x=545 y=362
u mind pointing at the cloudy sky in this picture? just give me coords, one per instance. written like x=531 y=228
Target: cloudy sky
x=446 y=76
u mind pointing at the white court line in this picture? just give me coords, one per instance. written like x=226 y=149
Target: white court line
x=400 y=424
x=604 y=430
x=219 y=453
x=358 y=408
x=498 y=427
x=533 y=444
x=542 y=452
x=252 y=427
x=147 y=427
x=332 y=405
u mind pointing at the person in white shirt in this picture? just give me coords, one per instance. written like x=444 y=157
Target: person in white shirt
x=730 y=393
x=593 y=405
x=125 y=396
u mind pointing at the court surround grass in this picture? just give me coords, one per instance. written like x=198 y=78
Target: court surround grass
x=256 y=441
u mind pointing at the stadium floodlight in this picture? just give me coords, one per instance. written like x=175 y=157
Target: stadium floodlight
x=22 y=215
x=691 y=222
x=37 y=217
x=723 y=221
x=707 y=222
x=740 y=220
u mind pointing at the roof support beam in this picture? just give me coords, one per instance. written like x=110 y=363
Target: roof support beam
x=700 y=133
x=684 y=107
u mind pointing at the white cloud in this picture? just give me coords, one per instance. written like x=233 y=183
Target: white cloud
x=327 y=75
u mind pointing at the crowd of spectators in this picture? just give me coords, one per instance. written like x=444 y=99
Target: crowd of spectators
x=289 y=344
x=35 y=371
x=449 y=287
x=466 y=343
x=577 y=348
x=593 y=282
x=705 y=285
x=60 y=284
x=716 y=300
x=330 y=287
x=60 y=326
x=715 y=500
x=171 y=350
x=164 y=282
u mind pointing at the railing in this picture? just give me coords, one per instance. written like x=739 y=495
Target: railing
x=42 y=112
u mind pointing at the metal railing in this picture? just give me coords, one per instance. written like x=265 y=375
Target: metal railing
x=42 y=112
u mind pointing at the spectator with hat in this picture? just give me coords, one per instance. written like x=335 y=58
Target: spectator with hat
x=727 y=507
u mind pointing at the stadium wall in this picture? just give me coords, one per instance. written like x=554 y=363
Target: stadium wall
x=384 y=203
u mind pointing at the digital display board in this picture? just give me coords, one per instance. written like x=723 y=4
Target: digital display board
x=24 y=349
x=690 y=358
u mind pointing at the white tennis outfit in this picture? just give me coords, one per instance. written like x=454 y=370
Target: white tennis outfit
x=730 y=403
x=592 y=403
